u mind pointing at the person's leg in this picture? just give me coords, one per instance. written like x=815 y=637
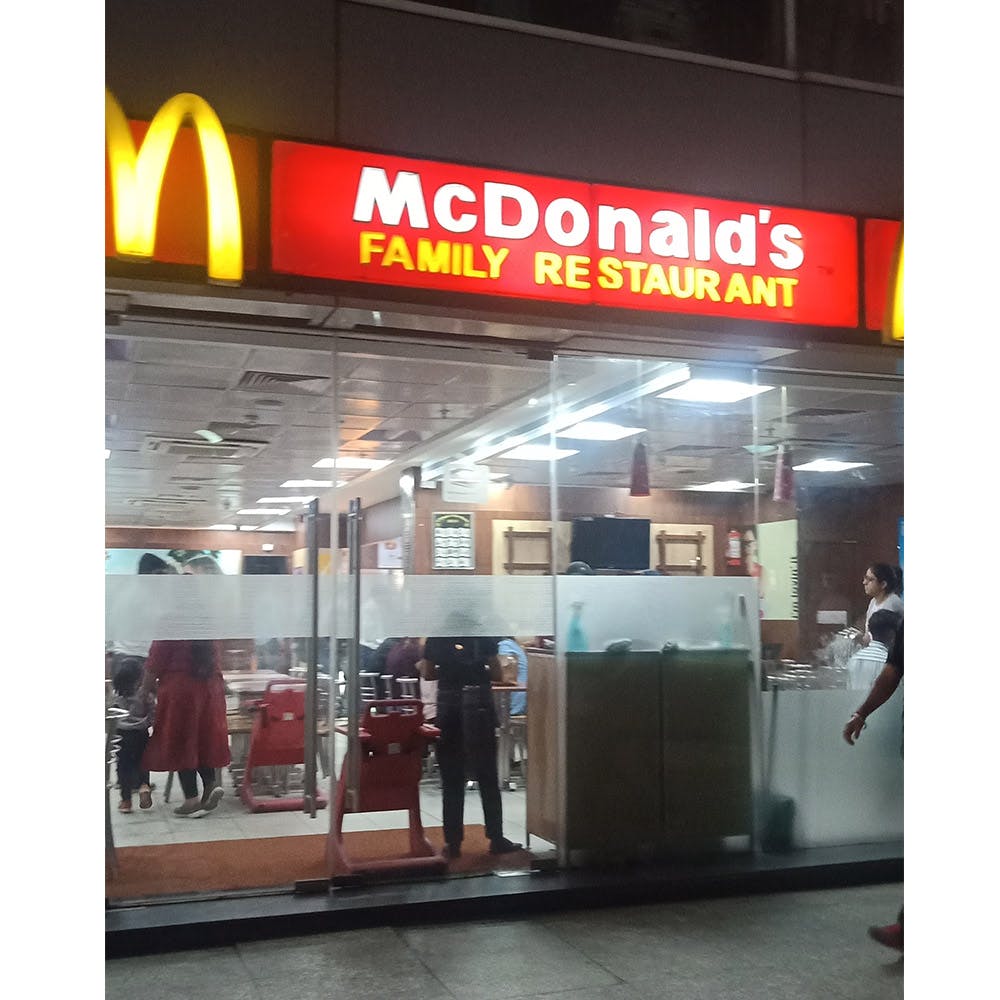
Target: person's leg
x=189 y=783
x=191 y=806
x=480 y=722
x=212 y=794
x=129 y=755
x=451 y=763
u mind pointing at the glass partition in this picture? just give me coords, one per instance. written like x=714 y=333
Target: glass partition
x=830 y=448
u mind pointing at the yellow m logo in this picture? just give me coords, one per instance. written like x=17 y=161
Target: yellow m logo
x=892 y=331
x=137 y=177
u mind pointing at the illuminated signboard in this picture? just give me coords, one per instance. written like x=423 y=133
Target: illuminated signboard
x=180 y=194
x=350 y=215
x=883 y=255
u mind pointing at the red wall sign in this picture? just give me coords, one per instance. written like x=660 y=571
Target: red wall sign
x=355 y=216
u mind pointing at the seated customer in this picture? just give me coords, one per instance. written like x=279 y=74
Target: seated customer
x=402 y=659
x=509 y=646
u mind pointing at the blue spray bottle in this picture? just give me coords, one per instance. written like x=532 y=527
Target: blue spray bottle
x=576 y=641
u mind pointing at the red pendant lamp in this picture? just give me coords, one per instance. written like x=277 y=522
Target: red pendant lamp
x=639 y=485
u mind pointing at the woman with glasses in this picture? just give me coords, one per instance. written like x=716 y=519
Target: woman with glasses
x=883 y=586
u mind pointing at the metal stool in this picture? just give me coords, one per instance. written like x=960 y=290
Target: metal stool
x=387 y=691
x=369 y=685
x=409 y=687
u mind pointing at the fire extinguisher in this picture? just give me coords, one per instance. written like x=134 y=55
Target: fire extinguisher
x=734 y=551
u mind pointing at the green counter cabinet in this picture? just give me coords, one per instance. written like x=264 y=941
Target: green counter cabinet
x=658 y=750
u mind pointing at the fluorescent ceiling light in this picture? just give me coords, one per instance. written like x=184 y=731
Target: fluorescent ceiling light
x=538 y=452
x=307 y=484
x=248 y=527
x=829 y=465
x=221 y=527
x=277 y=526
x=714 y=390
x=599 y=430
x=107 y=454
x=264 y=510
x=349 y=462
x=210 y=436
x=760 y=449
x=721 y=486
x=286 y=499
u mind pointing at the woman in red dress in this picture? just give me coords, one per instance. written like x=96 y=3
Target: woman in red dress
x=190 y=736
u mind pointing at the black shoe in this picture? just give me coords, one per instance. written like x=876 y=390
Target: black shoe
x=504 y=846
x=452 y=851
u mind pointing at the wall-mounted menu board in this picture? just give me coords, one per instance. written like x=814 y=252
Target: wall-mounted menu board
x=453 y=541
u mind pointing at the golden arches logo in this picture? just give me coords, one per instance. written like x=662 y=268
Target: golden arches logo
x=892 y=327
x=137 y=178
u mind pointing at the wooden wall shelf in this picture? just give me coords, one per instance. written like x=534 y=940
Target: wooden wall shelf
x=697 y=539
x=512 y=565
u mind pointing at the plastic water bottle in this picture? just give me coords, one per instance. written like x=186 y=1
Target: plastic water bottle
x=576 y=641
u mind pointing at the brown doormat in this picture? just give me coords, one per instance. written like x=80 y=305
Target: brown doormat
x=270 y=862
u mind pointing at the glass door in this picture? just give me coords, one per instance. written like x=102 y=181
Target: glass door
x=215 y=644
x=443 y=584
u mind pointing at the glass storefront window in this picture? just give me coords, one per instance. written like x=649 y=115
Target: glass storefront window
x=666 y=552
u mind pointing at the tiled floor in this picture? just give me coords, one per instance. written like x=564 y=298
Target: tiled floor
x=786 y=946
x=231 y=821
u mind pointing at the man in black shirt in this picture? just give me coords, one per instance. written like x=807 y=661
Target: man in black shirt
x=464 y=666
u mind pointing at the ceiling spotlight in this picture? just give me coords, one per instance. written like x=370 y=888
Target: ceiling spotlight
x=210 y=436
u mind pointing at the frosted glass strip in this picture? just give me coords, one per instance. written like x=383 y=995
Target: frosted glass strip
x=651 y=610
x=454 y=605
x=143 y=608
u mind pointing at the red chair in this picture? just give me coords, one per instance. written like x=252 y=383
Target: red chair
x=391 y=745
x=277 y=739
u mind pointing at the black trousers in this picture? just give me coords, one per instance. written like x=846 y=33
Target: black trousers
x=131 y=776
x=189 y=780
x=467 y=748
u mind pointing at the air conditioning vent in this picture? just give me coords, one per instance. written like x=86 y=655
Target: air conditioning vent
x=284 y=382
x=201 y=451
x=163 y=503
x=239 y=428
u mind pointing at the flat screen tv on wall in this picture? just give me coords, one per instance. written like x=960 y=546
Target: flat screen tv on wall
x=265 y=565
x=611 y=542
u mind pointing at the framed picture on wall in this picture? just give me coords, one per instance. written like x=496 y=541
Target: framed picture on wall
x=453 y=541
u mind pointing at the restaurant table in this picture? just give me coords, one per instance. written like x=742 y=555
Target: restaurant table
x=501 y=695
